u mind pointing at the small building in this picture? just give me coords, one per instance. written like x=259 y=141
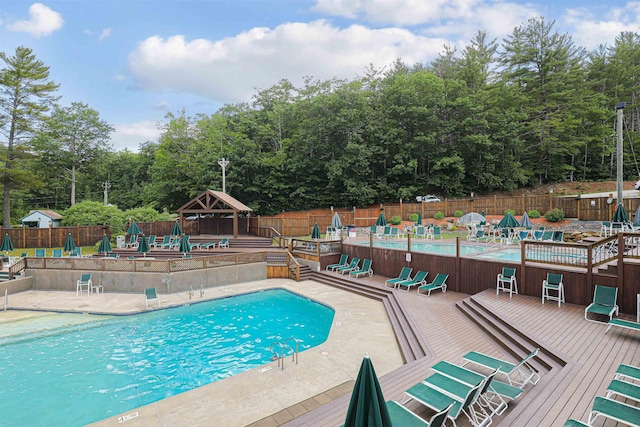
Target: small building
x=41 y=219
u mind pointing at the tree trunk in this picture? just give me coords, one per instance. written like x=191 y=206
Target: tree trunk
x=73 y=185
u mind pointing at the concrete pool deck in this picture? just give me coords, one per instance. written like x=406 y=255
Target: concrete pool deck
x=360 y=326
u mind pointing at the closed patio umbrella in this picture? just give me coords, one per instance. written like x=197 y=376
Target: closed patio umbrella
x=620 y=214
x=419 y=221
x=105 y=245
x=133 y=229
x=69 y=244
x=176 y=230
x=7 y=244
x=525 y=221
x=185 y=246
x=336 y=222
x=315 y=233
x=367 y=407
x=508 y=221
x=143 y=246
x=636 y=218
x=381 y=221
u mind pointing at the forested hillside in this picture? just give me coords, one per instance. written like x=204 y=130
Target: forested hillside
x=498 y=115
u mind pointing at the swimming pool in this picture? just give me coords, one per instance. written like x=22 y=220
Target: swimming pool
x=443 y=248
x=575 y=255
x=71 y=376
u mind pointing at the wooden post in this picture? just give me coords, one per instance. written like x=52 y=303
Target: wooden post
x=578 y=206
x=457 y=281
x=24 y=236
x=51 y=229
x=495 y=205
x=523 y=263
x=401 y=215
x=620 y=269
x=524 y=205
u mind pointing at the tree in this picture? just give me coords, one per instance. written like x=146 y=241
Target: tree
x=72 y=138
x=26 y=95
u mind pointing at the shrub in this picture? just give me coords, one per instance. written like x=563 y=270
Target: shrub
x=438 y=215
x=395 y=220
x=458 y=214
x=554 y=215
x=413 y=217
x=511 y=211
x=533 y=213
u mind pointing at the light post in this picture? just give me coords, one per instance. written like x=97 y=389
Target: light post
x=223 y=162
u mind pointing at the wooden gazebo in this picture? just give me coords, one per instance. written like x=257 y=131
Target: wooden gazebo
x=211 y=202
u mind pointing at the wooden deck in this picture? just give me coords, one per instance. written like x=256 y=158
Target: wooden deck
x=580 y=359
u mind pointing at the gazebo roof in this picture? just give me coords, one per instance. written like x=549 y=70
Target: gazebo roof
x=210 y=201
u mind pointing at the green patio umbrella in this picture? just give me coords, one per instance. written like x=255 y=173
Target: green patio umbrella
x=105 y=245
x=7 y=244
x=143 y=245
x=176 y=230
x=419 y=222
x=367 y=407
x=69 y=244
x=620 y=214
x=508 y=221
x=133 y=229
x=381 y=221
x=315 y=233
x=185 y=246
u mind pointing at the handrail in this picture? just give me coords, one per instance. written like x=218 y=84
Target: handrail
x=278 y=236
x=17 y=267
x=294 y=354
x=294 y=267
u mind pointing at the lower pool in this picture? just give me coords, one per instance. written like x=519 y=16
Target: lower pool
x=75 y=375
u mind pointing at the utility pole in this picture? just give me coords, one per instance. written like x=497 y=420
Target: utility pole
x=223 y=162
x=106 y=185
x=619 y=176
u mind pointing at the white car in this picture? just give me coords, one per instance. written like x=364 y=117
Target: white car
x=429 y=198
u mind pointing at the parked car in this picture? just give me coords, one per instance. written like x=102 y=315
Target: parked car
x=428 y=198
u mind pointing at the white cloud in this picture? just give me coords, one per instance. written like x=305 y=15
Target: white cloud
x=42 y=21
x=131 y=135
x=104 y=34
x=162 y=105
x=590 y=28
x=231 y=69
x=120 y=77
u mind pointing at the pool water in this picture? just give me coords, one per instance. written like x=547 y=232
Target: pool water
x=74 y=375
x=442 y=248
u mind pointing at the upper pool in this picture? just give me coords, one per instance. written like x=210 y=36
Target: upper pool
x=444 y=248
x=72 y=376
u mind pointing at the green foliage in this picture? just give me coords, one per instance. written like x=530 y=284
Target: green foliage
x=142 y=214
x=395 y=220
x=438 y=215
x=511 y=211
x=458 y=214
x=95 y=213
x=533 y=213
x=413 y=217
x=554 y=215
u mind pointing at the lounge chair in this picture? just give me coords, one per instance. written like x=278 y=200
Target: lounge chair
x=401 y=416
x=152 y=241
x=553 y=282
x=628 y=372
x=166 y=242
x=507 y=282
x=84 y=282
x=114 y=256
x=558 y=236
x=404 y=275
x=175 y=243
x=77 y=252
x=523 y=369
x=604 y=303
x=537 y=234
x=208 y=245
x=133 y=242
x=575 y=423
x=342 y=263
x=605 y=228
x=393 y=233
x=547 y=236
x=420 y=232
x=439 y=282
x=366 y=269
x=623 y=389
x=224 y=243
x=614 y=410
x=57 y=253
x=386 y=231
x=476 y=236
x=41 y=253
x=523 y=235
x=437 y=234
x=418 y=280
x=151 y=294
x=351 y=267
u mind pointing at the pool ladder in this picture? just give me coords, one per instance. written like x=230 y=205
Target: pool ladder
x=282 y=346
x=192 y=292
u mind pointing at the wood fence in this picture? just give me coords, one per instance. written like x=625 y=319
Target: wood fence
x=301 y=223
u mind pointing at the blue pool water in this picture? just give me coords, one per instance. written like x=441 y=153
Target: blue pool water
x=513 y=254
x=76 y=375
x=429 y=247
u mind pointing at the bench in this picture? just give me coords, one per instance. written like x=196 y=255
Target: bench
x=623 y=324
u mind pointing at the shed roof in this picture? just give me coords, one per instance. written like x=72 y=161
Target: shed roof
x=210 y=201
x=45 y=212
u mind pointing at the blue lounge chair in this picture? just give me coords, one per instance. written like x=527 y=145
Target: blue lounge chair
x=40 y=253
x=440 y=282
x=404 y=275
x=57 y=253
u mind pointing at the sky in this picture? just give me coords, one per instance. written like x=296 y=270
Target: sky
x=136 y=60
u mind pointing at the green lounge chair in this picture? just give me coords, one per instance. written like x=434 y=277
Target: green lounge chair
x=341 y=263
x=152 y=241
x=84 y=282
x=114 y=256
x=208 y=245
x=404 y=275
x=627 y=371
x=40 y=253
x=575 y=423
x=547 y=236
x=507 y=281
x=623 y=389
x=57 y=253
x=366 y=269
x=175 y=243
x=553 y=282
x=351 y=267
x=224 y=243
x=133 y=242
x=166 y=241
x=614 y=410
x=386 y=231
x=437 y=234
x=401 y=416
x=604 y=303
x=393 y=234
x=440 y=282
x=77 y=252
x=523 y=369
x=419 y=279
x=420 y=232
x=151 y=294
